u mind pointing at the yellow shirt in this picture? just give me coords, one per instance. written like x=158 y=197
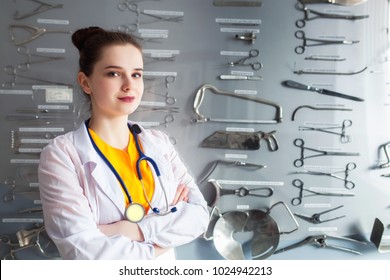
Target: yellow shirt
x=125 y=164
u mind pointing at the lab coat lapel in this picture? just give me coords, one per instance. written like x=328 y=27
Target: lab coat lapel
x=101 y=173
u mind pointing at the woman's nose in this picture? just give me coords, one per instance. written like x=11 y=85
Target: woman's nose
x=126 y=86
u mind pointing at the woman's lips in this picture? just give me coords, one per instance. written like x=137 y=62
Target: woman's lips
x=127 y=99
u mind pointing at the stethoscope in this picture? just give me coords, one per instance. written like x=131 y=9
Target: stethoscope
x=135 y=212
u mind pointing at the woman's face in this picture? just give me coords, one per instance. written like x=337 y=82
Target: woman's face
x=116 y=83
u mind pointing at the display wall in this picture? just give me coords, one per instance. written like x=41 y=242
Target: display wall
x=216 y=77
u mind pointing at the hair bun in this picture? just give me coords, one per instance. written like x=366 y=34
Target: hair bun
x=81 y=36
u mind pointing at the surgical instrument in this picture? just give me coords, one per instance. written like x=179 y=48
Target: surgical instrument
x=320 y=241
x=377 y=237
x=329 y=72
x=324 y=58
x=237 y=3
x=240 y=192
x=299 y=184
x=240 y=140
x=240 y=77
x=14 y=190
x=348 y=184
x=296 y=85
x=301 y=144
x=167 y=120
x=146 y=106
x=252 y=166
x=317 y=42
x=250 y=37
x=170 y=100
x=386 y=149
x=328 y=129
x=307 y=12
x=34 y=31
x=316 y=218
x=23 y=50
x=201 y=118
x=43 y=7
x=318 y=108
x=336 y=2
x=243 y=61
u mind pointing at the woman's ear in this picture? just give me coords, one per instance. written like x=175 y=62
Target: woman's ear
x=83 y=82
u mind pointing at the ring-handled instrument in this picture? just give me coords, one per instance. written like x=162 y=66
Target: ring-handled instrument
x=296 y=85
x=321 y=242
x=317 y=42
x=35 y=32
x=317 y=15
x=23 y=50
x=316 y=217
x=344 y=138
x=299 y=184
x=43 y=7
x=243 y=191
x=250 y=37
x=240 y=140
x=199 y=97
x=135 y=212
x=243 y=61
x=348 y=184
x=301 y=144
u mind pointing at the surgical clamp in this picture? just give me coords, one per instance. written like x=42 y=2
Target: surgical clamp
x=343 y=137
x=302 y=22
x=43 y=7
x=243 y=61
x=316 y=218
x=348 y=184
x=299 y=184
x=320 y=241
x=39 y=58
x=35 y=32
x=317 y=42
x=301 y=144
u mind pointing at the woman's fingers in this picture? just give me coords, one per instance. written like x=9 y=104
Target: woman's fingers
x=181 y=194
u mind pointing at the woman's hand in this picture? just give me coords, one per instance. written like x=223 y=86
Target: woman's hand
x=181 y=194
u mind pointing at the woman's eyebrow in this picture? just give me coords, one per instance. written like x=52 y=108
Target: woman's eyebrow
x=119 y=67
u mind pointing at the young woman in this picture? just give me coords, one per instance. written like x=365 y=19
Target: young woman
x=99 y=200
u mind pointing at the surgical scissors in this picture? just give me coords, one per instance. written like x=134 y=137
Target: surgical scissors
x=317 y=42
x=343 y=137
x=43 y=7
x=23 y=50
x=348 y=184
x=301 y=144
x=299 y=184
x=316 y=218
x=242 y=62
x=302 y=22
x=34 y=31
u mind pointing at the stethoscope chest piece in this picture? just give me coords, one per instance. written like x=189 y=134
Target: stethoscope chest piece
x=135 y=212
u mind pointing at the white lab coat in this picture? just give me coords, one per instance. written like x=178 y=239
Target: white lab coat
x=79 y=192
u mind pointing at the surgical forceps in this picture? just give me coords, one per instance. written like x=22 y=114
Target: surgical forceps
x=241 y=191
x=11 y=195
x=348 y=184
x=299 y=184
x=23 y=50
x=302 y=22
x=301 y=144
x=343 y=137
x=10 y=70
x=34 y=31
x=43 y=7
x=320 y=241
x=317 y=42
x=316 y=218
x=242 y=62
x=170 y=100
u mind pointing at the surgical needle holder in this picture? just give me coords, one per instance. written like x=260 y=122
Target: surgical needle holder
x=320 y=241
x=243 y=61
x=316 y=15
x=299 y=184
x=23 y=50
x=343 y=137
x=301 y=144
x=317 y=42
x=43 y=7
x=348 y=184
x=35 y=32
x=316 y=218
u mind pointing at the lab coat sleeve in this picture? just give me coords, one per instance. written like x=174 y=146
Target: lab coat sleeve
x=68 y=218
x=190 y=220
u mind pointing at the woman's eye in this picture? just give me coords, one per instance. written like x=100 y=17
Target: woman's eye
x=113 y=74
x=137 y=75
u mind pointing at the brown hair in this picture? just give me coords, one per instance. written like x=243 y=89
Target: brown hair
x=90 y=42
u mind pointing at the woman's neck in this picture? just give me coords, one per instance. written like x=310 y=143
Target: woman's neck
x=113 y=131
